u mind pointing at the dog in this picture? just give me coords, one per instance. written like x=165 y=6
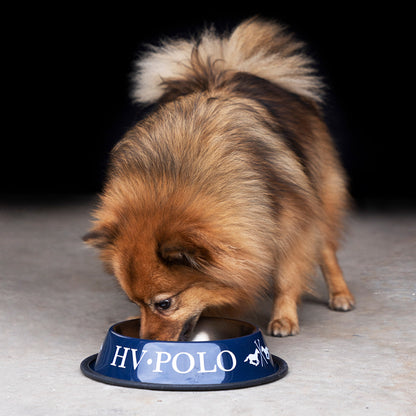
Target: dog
x=230 y=191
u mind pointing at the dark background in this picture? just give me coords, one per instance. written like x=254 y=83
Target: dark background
x=66 y=88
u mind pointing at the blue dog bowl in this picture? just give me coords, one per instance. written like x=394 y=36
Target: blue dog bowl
x=221 y=354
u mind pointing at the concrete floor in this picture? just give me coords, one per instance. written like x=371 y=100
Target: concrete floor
x=56 y=305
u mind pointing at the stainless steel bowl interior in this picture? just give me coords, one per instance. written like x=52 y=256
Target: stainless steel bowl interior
x=207 y=329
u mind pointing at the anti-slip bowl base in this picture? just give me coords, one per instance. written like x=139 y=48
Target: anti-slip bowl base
x=87 y=368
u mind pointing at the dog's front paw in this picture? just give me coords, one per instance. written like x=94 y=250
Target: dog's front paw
x=341 y=302
x=283 y=327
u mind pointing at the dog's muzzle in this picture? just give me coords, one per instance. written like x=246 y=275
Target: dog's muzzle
x=188 y=328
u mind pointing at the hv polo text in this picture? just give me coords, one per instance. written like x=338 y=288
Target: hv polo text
x=181 y=363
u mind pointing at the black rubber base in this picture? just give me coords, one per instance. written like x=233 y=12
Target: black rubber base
x=87 y=368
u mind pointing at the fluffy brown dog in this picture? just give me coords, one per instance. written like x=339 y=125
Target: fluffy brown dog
x=230 y=191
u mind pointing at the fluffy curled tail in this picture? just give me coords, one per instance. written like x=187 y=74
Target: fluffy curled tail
x=259 y=47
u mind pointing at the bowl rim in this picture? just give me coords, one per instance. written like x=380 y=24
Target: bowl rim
x=255 y=330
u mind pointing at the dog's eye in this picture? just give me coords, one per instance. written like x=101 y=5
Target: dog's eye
x=163 y=305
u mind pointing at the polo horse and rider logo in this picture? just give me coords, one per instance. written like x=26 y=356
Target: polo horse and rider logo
x=260 y=355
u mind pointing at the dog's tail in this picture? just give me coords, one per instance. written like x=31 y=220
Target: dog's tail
x=259 y=47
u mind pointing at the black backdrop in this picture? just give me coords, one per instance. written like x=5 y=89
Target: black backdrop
x=67 y=88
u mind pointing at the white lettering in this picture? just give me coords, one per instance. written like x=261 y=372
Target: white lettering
x=220 y=361
x=181 y=363
x=159 y=360
x=175 y=362
x=133 y=354
x=123 y=357
x=202 y=364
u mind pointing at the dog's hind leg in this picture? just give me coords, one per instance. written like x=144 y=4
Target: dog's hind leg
x=340 y=298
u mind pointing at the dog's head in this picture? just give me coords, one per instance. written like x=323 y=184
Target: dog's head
x=167 y=270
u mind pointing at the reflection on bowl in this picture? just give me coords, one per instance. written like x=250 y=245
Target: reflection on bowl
x=221 y=354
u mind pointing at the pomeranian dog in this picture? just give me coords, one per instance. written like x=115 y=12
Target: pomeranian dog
x=231 y=190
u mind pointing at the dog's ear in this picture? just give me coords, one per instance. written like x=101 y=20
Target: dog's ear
x=182 y=253
x=99 y=237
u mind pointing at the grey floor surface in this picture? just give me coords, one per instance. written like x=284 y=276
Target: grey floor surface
x=56 y=305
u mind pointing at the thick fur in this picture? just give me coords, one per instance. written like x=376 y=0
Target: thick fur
x=231 y=190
